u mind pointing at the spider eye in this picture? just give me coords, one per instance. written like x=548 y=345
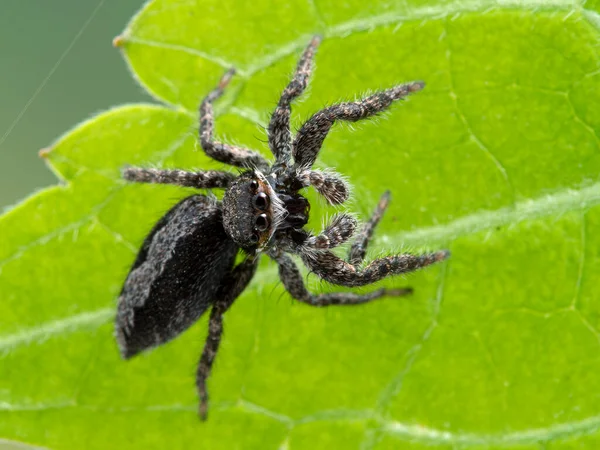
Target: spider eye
x=262 y=222
x=254 y=238
x=254 y=185
x=260 y=201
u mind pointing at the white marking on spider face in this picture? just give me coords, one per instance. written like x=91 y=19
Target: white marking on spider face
x=276 y=207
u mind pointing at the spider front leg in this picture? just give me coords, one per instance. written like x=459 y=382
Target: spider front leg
x=228 y=154
x=293 y=283
x=280 y=139
x=231 y=288
x=309 y=139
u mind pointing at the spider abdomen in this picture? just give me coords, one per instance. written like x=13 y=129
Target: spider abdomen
x=176 y=275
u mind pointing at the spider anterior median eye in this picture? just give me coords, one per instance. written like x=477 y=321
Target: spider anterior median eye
x=260 y=201
x=262 y=222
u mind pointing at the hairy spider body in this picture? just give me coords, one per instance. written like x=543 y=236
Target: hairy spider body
x=185 y=282
x=187 y=263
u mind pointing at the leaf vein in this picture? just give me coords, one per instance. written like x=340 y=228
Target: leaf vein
x=402 y=431
x=531 y=436
x=469 y=129
x=91 y=319
x=392 y=390
x=47 y=237
x=225 y=64
x=589 y=128
x=317 y=13
x=561 y=202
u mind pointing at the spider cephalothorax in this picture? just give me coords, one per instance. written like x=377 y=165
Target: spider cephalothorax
x=187 y=263
x=253 y=210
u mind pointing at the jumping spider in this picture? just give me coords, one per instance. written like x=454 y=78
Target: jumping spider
x=186 y=264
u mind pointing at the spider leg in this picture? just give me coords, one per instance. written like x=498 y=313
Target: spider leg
x=309 y=139
x=280 y=139
x=293 y=283
x=339 y=230
x=335 y=190
x=337 y=271
x=359 y=247
x=231 y=288
x=228 y=154
x=201 y=180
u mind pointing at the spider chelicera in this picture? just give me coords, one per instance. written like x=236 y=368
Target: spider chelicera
x=187 y=262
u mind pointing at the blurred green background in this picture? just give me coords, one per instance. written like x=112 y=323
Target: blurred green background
x=91 y=77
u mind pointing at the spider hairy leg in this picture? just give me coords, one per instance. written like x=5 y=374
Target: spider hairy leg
x=335 y=190
x=293 y=283
x=280 y=139
x=359 y=247
x=228 y=154
x=309 y=139
x=202 y=180
x=336 y=233
x=337 y=271
x=211 y=346
x=231 y=288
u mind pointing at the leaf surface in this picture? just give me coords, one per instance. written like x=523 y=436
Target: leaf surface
x=497 y=160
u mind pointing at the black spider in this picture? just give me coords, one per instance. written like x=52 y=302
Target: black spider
x=186 y=264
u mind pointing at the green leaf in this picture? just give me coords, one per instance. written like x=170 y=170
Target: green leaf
x=497 y=160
